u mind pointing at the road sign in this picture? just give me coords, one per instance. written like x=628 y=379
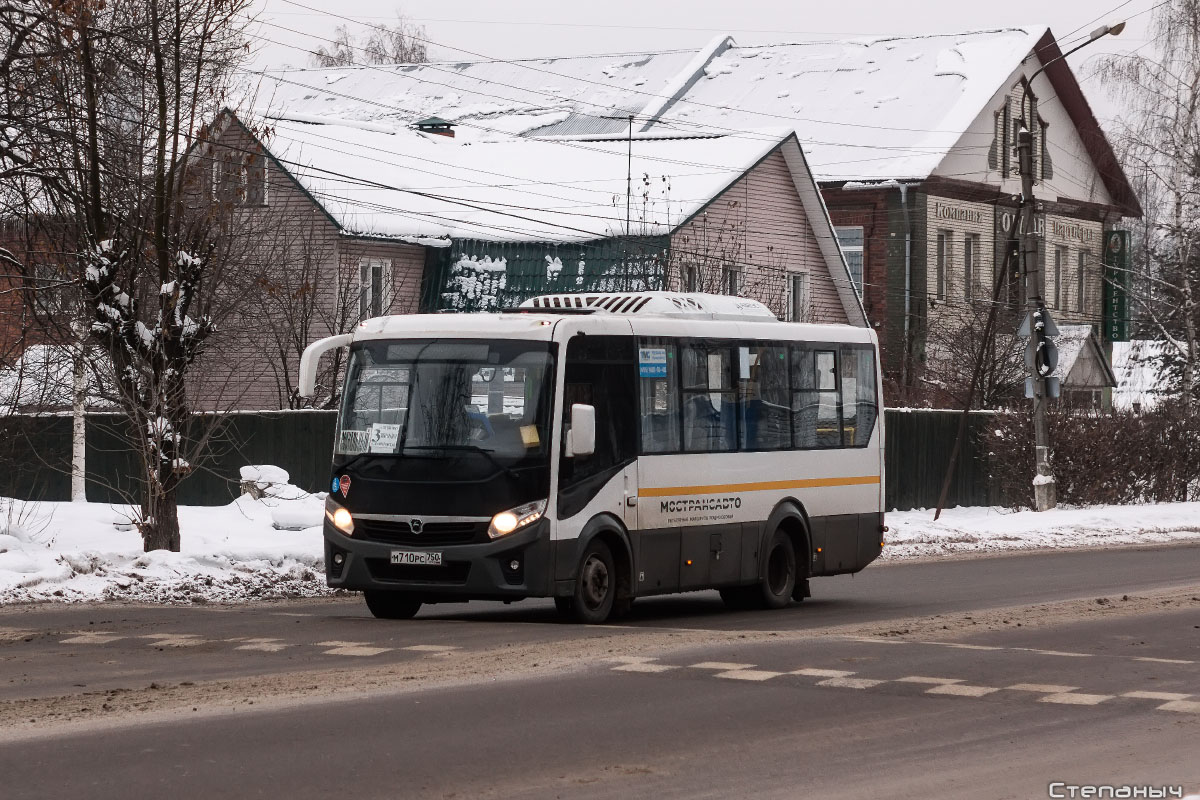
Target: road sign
x=1029 y=323
x=1041 y=356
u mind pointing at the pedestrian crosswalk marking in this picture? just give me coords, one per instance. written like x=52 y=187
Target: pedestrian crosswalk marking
x=1157 y=695
x=91 y=637
x=352 y=649
x=174 y=639
x=748 y=674
x=722 y=666
x=431 y=648
x=850 y=683
x=1045 y=688
x=962 y=690
x=262 y=645
x=1075 y=699
x=923 y=679
x=822 y=673
x=1187 y=706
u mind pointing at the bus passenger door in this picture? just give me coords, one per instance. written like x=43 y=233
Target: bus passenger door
x=630 y=511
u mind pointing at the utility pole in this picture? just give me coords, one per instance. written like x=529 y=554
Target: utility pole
x=1042 y=349
x=1041 y=357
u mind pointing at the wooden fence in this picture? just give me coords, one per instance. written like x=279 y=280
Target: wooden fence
x=35 y=455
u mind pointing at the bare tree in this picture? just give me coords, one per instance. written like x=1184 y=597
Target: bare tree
x=402 y=43
x=115 y=96
x=1160 y=143
x=955 y=350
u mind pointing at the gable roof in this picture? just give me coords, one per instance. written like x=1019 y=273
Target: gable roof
x=417 y=186
x=1081 y=360
x=864 y=109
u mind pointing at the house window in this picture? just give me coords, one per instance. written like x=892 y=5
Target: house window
x=1058 y=296
x=970 y=260
x=732 y=281
x=1047 y=172
x=851 y=242
x=799 y=309
x=945 y=240
x=374 y=287
x=254 y=180
x=691 y=279
x=242 y=182
x=1081 y=289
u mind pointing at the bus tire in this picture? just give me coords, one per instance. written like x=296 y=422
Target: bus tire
x=779 y=571
x=392 y=605
x=595 y=584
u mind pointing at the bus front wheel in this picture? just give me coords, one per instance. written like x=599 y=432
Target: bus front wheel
x=595 y=584
x=392 y=605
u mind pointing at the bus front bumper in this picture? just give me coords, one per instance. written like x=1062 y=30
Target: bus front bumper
x=509 y=568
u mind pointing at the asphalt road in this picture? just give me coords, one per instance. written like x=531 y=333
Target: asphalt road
x=981 y=678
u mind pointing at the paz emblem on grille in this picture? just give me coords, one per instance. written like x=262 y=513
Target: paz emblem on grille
x=416 y=525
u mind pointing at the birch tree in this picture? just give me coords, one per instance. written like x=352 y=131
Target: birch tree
x=1159 y=140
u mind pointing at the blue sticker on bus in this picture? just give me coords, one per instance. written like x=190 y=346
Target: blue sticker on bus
x=335 y=486
x=652 y=362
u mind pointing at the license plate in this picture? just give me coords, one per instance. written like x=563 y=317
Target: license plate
x=422 y=558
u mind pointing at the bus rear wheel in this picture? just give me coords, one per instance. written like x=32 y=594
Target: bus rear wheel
x=780 y=578
x=595 y=584
x=392 y=605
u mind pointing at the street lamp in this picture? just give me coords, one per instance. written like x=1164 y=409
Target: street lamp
x=1039 y=326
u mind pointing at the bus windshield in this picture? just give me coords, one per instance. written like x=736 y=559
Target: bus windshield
x=430 y=397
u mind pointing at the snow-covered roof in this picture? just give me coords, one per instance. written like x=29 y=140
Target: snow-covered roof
x=1081 y=360
x=424 y=187
x=1139 y=381
x=579 y=95
x=864 y=109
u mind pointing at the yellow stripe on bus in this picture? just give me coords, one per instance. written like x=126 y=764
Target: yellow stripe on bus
x=810 y=483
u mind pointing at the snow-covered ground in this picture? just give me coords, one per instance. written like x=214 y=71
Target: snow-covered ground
x=914 y=534
x=74 y=552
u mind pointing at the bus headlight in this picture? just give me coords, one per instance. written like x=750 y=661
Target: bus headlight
x=514 y=519
x=342 y=519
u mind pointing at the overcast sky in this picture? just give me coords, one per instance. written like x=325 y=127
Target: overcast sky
x=470 y=29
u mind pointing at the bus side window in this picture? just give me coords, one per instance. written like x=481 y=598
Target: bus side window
x=709 y=408
x=859 y=408
x=764 y=403
x=816 y=420
x=658 y=398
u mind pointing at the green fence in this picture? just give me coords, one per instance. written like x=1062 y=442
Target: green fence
x=918 y=445
x=35 y=454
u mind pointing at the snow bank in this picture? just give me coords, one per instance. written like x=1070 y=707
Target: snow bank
x=75 y=552
x=914 y=534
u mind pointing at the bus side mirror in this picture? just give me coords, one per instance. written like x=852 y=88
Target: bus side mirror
x=307 y=382
x=581 y=438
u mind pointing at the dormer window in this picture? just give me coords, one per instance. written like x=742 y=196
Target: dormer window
x=1019 y=106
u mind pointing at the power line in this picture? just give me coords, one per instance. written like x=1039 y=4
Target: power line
x=631 y=90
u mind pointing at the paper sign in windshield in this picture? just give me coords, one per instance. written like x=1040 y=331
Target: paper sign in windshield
x=652 y=362
x=384 y=438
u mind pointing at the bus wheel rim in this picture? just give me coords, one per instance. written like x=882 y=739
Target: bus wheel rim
x=595 y=582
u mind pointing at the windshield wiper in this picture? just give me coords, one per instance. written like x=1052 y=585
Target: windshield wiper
x=354 y=459
x=471 y=448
